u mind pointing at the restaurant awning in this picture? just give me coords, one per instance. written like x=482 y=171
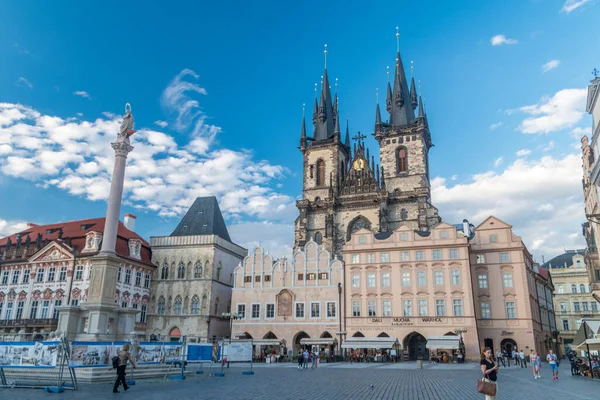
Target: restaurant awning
x=317 y=341
x=589 y=328
x=266 y=342
x=370 y=343
x=592 y=344
x=443 y=342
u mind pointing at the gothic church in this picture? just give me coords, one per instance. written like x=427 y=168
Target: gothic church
x=345 y=190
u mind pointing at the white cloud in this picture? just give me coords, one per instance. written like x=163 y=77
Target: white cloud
x=563 y=110
x=541 y=198
x=498 y=162
x=550 y=65
x=24 y=83
x=523 y=152
x=9 y=227
x=571 y=5
x=551 y=144
x=496 y=125
x=499 y=40
x=82 y=93
x=275 y=238
x=162 y=124
x=454 y=177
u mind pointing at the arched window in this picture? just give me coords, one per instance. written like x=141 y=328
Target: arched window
x=207 y=267
x=164 y=273
x=204 y=304
x=195 y=305
x=160 y=306
x=178 y=305
x=582 y=288
x=358 y=223
x=198 y=270
x=401 y=160
x=181 y=271
x=318 y=238
x=219 y=271
x=320 y=173
x=217 y=306
x=573 y=288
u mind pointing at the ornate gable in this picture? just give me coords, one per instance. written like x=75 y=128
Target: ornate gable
x=93 y=240
x=135 y=248
x=52 y=252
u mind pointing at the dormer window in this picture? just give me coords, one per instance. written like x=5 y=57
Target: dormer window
x=93 y=240
x=135 y=248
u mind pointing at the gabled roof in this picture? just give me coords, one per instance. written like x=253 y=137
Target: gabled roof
x=492 y=220
x=203 y=218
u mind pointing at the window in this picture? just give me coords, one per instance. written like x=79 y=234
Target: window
x=241 y=309
x=511 y=311
x=387 y=308
x=458 y=307
x=438 y=278
x=198 y=270
x=320 y=172
x=493 y=238
x=123 y=304
x=62 y=275
x=45 y=309
x=1 y=304
x=147 y=280
x=444 y=235
x=257 y=278
x=584 y=306
x=164 y=272
x=355 y=280
x=371 y=280
x=401 y=160
x=594 y=305
x=361 y=239
x=119 y=274
x=5 y=277
x=455 y=274
x=582 y=288
x=565 y=324
x=440 y=307
x=315 y=310
x=299 y=310
x=79 y=273
x=33 y=309
x=563 y=307
x=26 y=276
x=128 y=276
x=356 y=308
x=355 y=258
x=385 y=279
x=384 y=257
x=270 y=311
x=138 y=278
x=21 y=306
x=178 y=306
x=9 y=308
x=422 y=308
x=319 y=238
x=504 y=257
x=453 y=254
x=160 y=307
x=407 y=308
x=406 y=279
x=143 y=313
x=486 y=312
x=39 y=276
x=404 y=256
x=15 y=279
x=480 y=259
x=255 y=311
x=74 y=302
x=436 y=254
x=322 y=275
x=404 y=236
x=573 y=288
x=576 y=307
x=507 y=279
x=421 y=280
x=371 y=257
x=312 y=276
x=219 y=268
x=419 y=255
x=482 y=279
x=372 y=308
x=560 y=288
x=331 y=309
x=247 y=279
x=300 y=277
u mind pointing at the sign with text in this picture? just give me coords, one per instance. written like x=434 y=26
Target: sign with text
x=29 y=354
x=237 y=351
x=159 y=352
x=93 y=354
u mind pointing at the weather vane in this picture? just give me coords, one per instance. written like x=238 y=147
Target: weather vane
x=595 y=72
x=325 y=53
x=398 y=39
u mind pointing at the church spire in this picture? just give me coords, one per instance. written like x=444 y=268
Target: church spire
x=316 y=109
x=402 y=112
x=336 y=130
x=303 y=131
x=325 y=122
x=421 y=112
x=347 y=134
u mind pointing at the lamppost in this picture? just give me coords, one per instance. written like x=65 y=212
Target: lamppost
x=231 y=317
x=340 y=317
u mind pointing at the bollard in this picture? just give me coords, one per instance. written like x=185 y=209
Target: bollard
x=419 y=364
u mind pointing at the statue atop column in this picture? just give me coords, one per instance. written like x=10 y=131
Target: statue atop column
x=126 y=126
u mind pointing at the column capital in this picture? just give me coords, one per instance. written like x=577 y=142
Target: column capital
x=121 y=148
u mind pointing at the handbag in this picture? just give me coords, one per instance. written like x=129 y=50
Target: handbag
x=487 y=388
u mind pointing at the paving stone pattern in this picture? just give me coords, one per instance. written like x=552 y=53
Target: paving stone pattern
x=340 y=382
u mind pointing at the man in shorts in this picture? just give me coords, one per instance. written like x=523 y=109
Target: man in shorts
x=552 y=360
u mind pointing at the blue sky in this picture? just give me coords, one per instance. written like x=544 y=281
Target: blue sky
x=503 y=83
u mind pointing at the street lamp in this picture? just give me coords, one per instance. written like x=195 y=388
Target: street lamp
x=340 y=317
x=231 y=317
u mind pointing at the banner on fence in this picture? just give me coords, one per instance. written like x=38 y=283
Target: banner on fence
x=93 y=354
x=238 y=351
x=159 y=352
x=200 y=352
x=29 y=354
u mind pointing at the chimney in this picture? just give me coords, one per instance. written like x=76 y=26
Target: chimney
x=129 y=222
x=31 y=225
x=466 y=228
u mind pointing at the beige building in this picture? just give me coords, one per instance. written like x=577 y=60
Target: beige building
x=413 y=287
x=194 y=276
x=513 y=295
x=572 y=298
x=284 y=305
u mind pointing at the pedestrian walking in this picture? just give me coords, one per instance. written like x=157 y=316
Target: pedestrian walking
x=123 y=356
x=300 y=359
x=515 y=356
x=500 y=358
x=553 y=361
x=523 y=359
x=507 y=358
x=534 y=364
x=306 y=357
x=489 y=370
x=315 y=358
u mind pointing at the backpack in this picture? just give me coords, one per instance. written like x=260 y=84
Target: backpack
x=115 y=362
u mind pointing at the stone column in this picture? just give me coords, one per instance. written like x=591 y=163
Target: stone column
x=111 y=225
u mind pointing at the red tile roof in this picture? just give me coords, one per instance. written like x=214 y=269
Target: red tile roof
x=76 y=231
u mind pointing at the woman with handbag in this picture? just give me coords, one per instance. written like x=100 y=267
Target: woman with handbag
x=487 y=385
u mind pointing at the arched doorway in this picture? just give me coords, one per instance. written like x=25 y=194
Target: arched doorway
x=415 y=345
x=487 y=342
x=299 y=336
x=358 y=334
x=509 y=345
x=383 y=334
x=174 y=334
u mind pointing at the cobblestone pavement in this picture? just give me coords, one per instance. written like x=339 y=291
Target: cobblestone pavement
x=340 y=382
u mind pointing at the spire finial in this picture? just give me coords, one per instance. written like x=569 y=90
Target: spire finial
x=388 y=73
x=397 y=40
x=419 y=86
x=303 y=110
x=336 y=85
x=377 y=95
x=315 y=90
x=325 y=54
x=412 y=68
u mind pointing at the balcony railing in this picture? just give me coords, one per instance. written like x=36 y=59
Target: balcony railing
x=29 y=322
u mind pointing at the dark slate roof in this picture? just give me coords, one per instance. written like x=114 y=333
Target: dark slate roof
x=559 y=261
x=383 y=235
x=203 y=218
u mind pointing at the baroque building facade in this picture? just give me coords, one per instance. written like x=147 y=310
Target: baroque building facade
x=194 y=276
x=344 y=190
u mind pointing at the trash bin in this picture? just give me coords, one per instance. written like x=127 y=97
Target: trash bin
x=419 y=364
